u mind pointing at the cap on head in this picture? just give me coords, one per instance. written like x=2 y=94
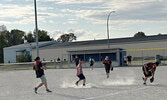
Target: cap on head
x=157 y=63
x=37 y=58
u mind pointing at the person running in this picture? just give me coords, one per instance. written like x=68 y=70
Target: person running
x=39 y=69
x=80 y=73
x=91 y=62
x=108 y=65
x=76 y=60
x=149 y=71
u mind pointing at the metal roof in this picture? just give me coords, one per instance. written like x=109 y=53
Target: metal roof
x=112 y=41
x=31 y=45
x=54 y=44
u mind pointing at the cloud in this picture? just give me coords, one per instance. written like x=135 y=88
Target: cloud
x=24 y=14
x=71 y=21
x=143 y=10
x=80 y=33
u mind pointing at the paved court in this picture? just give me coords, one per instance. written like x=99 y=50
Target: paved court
x=123 y=84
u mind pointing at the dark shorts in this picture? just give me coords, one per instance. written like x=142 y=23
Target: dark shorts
x=91 y=64
x=81 y=76
x=149 y=73
x=107 y=69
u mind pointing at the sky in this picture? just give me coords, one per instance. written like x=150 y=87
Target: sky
x=87 y=18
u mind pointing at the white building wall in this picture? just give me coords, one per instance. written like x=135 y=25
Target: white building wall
x=54 y=53
x=10 y=54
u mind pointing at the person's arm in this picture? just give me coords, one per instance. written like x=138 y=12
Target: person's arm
x=153 y=71
x=42 y=67
x=145 y=69
x=104 y=62
x=34 y=66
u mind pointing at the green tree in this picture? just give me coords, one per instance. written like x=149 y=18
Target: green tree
x=139 y=34
x=29 y=37
x=3 y=43
x=67 y=38
x=15 y=37
x=43 y=36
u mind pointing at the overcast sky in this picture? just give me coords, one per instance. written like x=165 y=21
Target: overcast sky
x=87 y=18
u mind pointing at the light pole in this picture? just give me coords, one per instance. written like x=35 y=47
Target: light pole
x=108 y=28
x=36 y=28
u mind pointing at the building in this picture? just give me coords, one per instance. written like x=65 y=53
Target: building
x=138 y=48
x=11 y=53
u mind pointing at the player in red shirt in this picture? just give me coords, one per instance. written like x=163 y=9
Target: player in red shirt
x=149 y=71
x=108 y=65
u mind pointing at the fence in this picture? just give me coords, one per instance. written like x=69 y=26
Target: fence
x=142 y=56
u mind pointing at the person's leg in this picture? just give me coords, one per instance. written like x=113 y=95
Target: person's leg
x=45 y=84
x=84 y=81
x=78 y=81
x=145 y=79
x=130 y=62
x=107 y=75
x=36 y=88
x=108 y=72
x=39 y=85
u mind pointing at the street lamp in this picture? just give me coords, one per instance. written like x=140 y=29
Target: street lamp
x=108 y=28
x=36 y=28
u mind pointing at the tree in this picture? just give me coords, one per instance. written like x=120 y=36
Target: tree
x=29 y=37
x=3 y=43
x=15 y=37
x=67 y=38
x=139 y=35
x=43 y=36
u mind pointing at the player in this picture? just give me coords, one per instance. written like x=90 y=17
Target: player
x=91 y=62
x=129 y=58
x=80 y=73
x=108 y=65
x=149 y=71
x=39 y=69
